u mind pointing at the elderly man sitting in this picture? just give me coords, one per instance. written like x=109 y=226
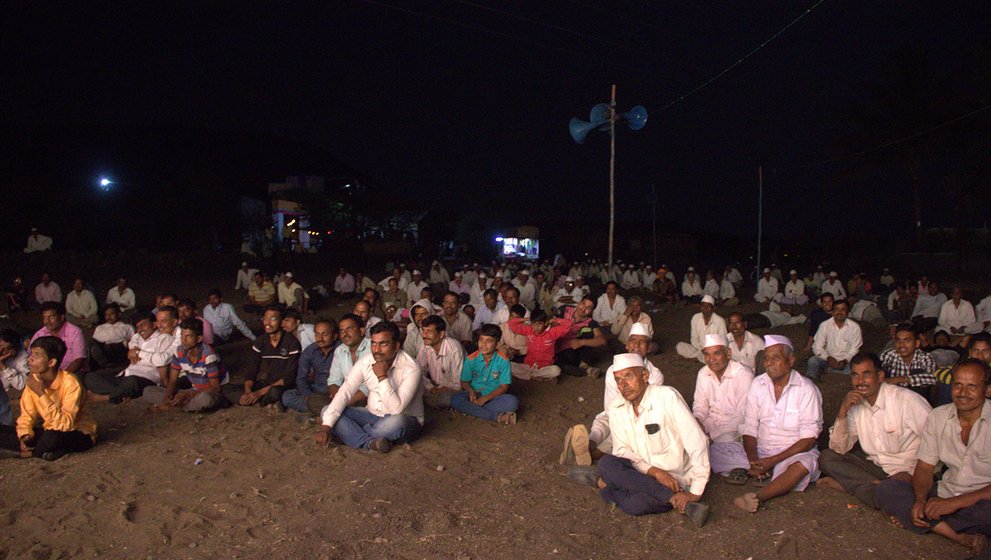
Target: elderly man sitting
x=794 y=290
x=703 y=323
x=660 y=457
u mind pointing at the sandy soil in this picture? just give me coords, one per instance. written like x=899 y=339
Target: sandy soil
x=466 y=489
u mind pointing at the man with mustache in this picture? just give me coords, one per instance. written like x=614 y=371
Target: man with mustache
x=886 y=420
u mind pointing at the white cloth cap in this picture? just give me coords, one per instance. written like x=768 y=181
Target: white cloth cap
x=708 y=299
x=568 y=279
x=691 y=269
x=244 y=263
x=457 y=274
x=525 y=272
x=482 y=275
x=625 y=361
x=288 y=274
x=772 y=339
x=793 y=271
x=832 y=273
x=417 y=272
x=766 y=270
x=714 y=340
x=639 y=329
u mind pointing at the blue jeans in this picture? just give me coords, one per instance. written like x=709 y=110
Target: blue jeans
x=490 y=410
x=357 y=427
x=816 y=365
x=295 y=400
x=632 y=491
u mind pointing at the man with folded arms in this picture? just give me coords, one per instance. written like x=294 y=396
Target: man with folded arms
x=780 y=426
x=959 y=436
x=660 y=457
x=394 y=413
x=721 y=391
x=886 y=420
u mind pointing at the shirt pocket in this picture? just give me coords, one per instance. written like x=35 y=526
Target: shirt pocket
x=791 y=418
x=657 y=443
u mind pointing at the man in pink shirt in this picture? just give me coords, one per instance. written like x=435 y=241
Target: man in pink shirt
x=53 y=319
x=781 y=423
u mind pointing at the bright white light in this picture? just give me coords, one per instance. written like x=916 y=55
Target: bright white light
x=498 y=240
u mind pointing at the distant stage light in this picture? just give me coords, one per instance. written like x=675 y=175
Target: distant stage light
x=498 y=239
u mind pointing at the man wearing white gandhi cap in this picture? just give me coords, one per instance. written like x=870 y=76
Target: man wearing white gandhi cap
x=660 y=457
x=584 y=445
x=721 y=391
x=781 y=423
x=703 y=323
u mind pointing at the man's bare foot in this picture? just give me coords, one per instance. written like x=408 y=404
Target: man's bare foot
x=827 y=482
x=747 y=502
x=157 y=408
x=894 y=521
x=601 y=484
x=978 y=543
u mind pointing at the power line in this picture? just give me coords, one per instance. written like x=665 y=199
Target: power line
x=745 y=57
x=891 y=143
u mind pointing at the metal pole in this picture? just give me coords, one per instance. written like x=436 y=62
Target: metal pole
x=653 y=211
x=760 y=213
x=612 y=172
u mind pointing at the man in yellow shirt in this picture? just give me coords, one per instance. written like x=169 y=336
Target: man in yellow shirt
x=56 y=399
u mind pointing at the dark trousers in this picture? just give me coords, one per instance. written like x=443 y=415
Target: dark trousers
x=234 y=391
x=102 y=355
x=855 y=473
x=47 y=441
x=117 y=387
x=569 y=359
x=895 y=497
x=632 y=491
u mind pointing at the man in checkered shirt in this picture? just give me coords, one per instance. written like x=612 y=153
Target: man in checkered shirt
x=907 y=365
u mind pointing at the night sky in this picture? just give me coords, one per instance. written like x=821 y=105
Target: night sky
x=463 y=106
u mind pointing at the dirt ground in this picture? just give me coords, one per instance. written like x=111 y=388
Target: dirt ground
x=466 y=489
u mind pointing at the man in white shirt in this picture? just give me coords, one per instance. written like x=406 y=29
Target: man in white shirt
x=886 y=420
x=291 y=294
x=13 y=371
x=780 y=426
x=957 y=435
x=223 y=318
x=245 y=275
x=957 y=317
x=727 y=293
x=38 y=243
x=438 y=277
x=794 y=290
x=691 y=287
x=743 y=344
x=149 y=352
x=80 y=306
x=570 y=294
x=767 y=288
x=703 y=323
x=634 y=315
x=886 y=279
x=983 y=312
x=836 y=341
x=47 y=290
x=631 y=279
x=110 y=339
x=721 y=390
x=485 y=313
x=394 y=413
x=832 y=285
x=660 y=457
x=416 y=286
x=733 y=275
x=610 y=306
x=711 y=286
x=527 y=288
x=818 y=277
x=343 y=283
x=478 y=288
x=123 y=296
x=440 y=359
x=584 y=445
x=458 y=323
x=510 y=297
x=414 y=340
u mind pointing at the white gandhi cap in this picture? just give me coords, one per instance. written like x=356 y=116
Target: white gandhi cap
x=713 y=340
x=638 y=329
x=772 y=339
x=709 y=299
x=625 y=361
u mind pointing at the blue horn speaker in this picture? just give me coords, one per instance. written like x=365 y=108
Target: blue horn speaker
x=599 y=119
x=636 y=117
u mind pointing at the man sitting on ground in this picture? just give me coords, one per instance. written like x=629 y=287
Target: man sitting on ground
x=201 y=370
x=721 y=391
x=818 y=317
x=586 y=445
x=958 y=436
x=80 y=306
x=957 y=318
x=224 y=319
x=780 y=426
x=53 y=319
x=149 y=351
x=414 y=340
x=584 y=344
x=485 y=381
x=261 y=294
x=123 y=296
x=907 y=365
x=187 y=310
x=291 y=294
x=660 y=457
x=928 y=305
x=832 y=285
x=314 y=369
x=343 y=283
x=110 y=339
x=56 y=400
x=634 y=314
x=245 y=274
x=610 y=306
x=743 y=344
x=272 y=366
x=441 y=360
x=767 y=288
x=394 y=413
x=704 y=322
x=886 y=420
x=47 y=291
x=691 y=287
x=836 y=341
x=13 y=370
x=294 y=325
x=458 y=324
x=354 y=346
x=795 y=290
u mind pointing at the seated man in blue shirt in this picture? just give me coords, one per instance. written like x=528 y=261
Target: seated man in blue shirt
x=485 y=380
x=314 y=368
